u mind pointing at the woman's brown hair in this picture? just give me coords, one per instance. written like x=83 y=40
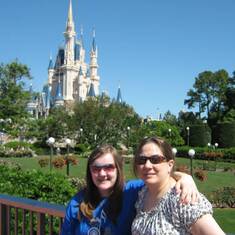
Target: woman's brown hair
x=161 y=143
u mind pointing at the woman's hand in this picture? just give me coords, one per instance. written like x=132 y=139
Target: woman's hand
x=187 y=188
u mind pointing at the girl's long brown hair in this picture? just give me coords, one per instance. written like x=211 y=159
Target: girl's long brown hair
x=92 y=196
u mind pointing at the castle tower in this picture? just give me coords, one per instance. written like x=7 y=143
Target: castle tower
x=95 y=80
x=73 y=74
x=69 y=35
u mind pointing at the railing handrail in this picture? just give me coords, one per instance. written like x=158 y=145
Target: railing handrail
x=33 y=205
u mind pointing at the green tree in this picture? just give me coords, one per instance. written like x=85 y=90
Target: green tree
x=13 y=97
x=104 y=123
x=170 y=118
x=209 y=92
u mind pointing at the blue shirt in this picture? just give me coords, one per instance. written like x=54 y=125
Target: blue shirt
x=100 y=224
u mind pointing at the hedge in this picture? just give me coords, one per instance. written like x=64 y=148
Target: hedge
x=199 y=135
x=202 y=153
x=224 y=134
x=33 y=184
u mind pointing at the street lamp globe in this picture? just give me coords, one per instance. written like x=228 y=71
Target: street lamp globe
x=81 y=130
x=68 y=141
x=209 y=144
x=128 y=128
x=216 y=145
x=51 y=141
x=174 y=151
x=191 y=153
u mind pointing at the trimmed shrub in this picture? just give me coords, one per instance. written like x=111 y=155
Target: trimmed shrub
x=223 y=197
x=72 y=159
x=223 y=154
x=224 y=134
x=200 y=174
x=200 y=135
x=43 y=162
x=50 y=187
x=58 y=162
x=213 y=155
x=17 y=145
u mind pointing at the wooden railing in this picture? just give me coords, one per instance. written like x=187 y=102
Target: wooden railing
x=25 y=216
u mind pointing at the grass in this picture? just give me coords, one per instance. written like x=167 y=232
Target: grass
x=225 y=218
x=215 y=180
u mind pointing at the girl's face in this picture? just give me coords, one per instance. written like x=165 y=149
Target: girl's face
x=104 y=174
x=152 y=166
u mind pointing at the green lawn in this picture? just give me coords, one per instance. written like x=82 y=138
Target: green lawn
x=226 y=219
x=215 y=180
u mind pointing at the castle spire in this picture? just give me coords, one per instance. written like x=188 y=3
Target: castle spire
x=93 y=42
x=119 y=95
x=70 y=23
x=69 y=37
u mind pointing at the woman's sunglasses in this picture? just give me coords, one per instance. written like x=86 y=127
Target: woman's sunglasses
x=108 y=168
x=154 y=159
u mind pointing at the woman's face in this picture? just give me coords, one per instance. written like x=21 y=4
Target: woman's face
x=104 y=174
x=158 y=170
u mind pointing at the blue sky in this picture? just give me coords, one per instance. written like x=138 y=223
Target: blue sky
x=153 y=48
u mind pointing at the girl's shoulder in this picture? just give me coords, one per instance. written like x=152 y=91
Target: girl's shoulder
x=134 y=184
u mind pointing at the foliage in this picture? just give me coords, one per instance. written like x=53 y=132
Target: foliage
x=199 y=135
x=22 y=152
x=213 y=155
x=13 y=98
x=170 y=118
x=17 y=145
x=71 y=159
x=223 y=197
x=224 y=134
x=43 y=162
x=58 y=162
x=158 y=128
x=77 y=183
x=209 y=92
x=200 y=174
x=81 y=148
x=227 y=153
x=49 y=187
x=103 y=123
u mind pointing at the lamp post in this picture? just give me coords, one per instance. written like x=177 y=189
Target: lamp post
x=174 y=151
x=216 y=146
x=188 y=132
x=191 y=154
x=68 y=144
x=169 y=131
x=51 y=142
x=81 y=131
x=128 y=130
x=1 y=135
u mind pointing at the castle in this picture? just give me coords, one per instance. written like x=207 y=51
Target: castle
x=70 y=78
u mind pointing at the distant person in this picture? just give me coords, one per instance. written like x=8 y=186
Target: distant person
x=106 y=205
x=159 y=210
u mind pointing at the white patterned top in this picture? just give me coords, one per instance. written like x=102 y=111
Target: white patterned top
x=169 y=216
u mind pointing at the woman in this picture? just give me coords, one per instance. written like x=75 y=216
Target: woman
x=106 y=205
x=158 y=208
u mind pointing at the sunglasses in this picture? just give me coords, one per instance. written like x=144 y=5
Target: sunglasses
x=154 y=159
x=108 y=168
